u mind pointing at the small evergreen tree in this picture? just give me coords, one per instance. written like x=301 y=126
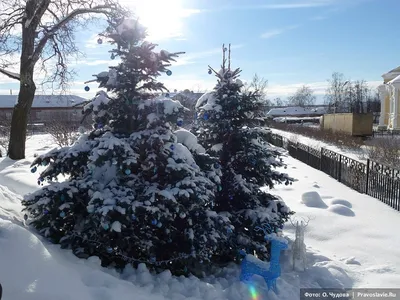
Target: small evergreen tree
x=227 y=128
x=133 y=192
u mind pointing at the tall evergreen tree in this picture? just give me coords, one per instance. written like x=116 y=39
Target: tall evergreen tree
x=227 y=128
x=133 y=192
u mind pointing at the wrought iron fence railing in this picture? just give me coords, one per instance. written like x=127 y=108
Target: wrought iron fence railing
x=371 y=178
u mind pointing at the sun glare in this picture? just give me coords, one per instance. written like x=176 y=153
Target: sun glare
x=163 y=19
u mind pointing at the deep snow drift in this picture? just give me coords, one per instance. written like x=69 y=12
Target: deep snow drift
x=351 y=241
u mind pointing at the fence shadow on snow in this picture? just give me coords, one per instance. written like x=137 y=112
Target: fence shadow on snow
x=372 y=178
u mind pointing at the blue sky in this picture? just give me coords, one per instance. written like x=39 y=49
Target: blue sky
x=288 y=42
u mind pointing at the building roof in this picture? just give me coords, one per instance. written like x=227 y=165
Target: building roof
x=392 y=73
x=44 y=101
x=293 y=111
x=395 y=70
x=395 y=80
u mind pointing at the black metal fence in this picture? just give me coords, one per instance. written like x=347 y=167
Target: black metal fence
x=371 y=178
x=385 y=133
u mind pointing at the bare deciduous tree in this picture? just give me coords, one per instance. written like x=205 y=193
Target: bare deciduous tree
x=374 y=102
x=357 y=94
x=260 y=86
x=303 y=97
x=198 y=89
x=42 y=31
x=278 y=102
x=360 y=98
x=335 y=93
x=345 y=96
x=63 y=133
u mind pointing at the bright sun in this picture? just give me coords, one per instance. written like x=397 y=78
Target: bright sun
x=163 y=19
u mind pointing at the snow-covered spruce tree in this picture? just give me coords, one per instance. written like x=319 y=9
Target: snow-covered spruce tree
x=133 y=192
x=227 y=127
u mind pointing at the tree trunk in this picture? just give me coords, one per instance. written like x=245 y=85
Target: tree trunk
x=27 y=87
x=19 y=122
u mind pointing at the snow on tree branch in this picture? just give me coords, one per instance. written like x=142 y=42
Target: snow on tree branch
x=10 y=74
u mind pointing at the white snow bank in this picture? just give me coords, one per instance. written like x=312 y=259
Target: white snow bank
x=16 y=175
x=341 y=210
x=370 y=236
x=313 y=199
x=11 y=205
x=350 y=261
x=361 y=251
x=33 y=269
x=342 y=202
x=42 y=276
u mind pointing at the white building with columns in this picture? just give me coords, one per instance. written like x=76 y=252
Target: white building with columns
x=389 y=94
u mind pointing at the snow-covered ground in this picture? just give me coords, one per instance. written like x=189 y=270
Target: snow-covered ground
x=351 y=239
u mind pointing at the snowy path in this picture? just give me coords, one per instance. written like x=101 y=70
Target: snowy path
x=351 y=244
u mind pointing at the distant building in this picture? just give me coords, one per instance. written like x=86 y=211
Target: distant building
x=46 y=108
x=389 y=94
x=296 y=111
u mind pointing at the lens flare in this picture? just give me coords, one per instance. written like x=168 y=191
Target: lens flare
x=253 y=293
x=163 y=19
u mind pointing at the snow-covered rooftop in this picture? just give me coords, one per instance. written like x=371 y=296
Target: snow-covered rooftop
x=395 y=70
x=392 y=73
x=41 y=101
x=296 y=110
x=395 y=80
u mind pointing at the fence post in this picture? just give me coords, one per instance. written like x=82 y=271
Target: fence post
x=367 y=180
x=340 y=169
x=320 y=161
x=308 y=155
